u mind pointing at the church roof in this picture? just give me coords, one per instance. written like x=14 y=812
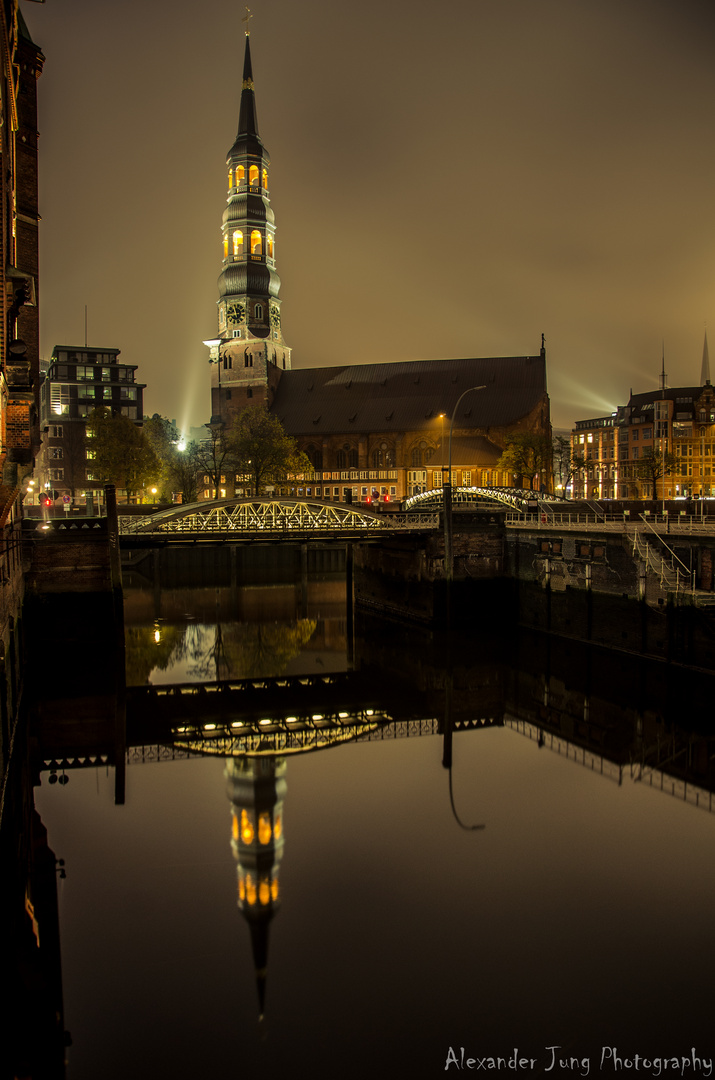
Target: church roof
x=410 y=395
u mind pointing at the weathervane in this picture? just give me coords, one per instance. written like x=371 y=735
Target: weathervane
x=246 y=18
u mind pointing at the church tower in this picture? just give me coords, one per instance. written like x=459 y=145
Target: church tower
x=249 y=353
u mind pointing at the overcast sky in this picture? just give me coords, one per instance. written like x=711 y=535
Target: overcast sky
x=448 y=180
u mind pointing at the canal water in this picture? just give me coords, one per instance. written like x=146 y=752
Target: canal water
x=550 y=895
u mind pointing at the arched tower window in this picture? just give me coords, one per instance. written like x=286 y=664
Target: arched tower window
x=237 y=243
x=258 y=311
x=225 y=246
x=256 y=245
x=264 y=179
x=240 y=174
x=269 y=243
x=253 y=174
x=230 y=179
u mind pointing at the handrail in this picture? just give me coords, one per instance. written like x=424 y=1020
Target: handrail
x=646 y=522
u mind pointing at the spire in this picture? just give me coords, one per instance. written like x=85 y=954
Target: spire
x=247 y=118
x=663 y=382
x=705 y=369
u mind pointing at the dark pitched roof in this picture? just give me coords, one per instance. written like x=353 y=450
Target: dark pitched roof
x=409 y=396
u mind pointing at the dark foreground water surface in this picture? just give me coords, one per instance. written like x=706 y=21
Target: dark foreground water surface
x=578 y=915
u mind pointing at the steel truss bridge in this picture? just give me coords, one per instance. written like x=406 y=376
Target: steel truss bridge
x=516 y=498
x=271 y=518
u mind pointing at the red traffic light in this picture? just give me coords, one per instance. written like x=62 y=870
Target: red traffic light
x=45 y=500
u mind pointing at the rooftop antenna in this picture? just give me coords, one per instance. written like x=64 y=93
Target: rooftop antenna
x=663 y=383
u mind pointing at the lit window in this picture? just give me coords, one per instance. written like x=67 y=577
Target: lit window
x=256 y=245
x=230 y=178
x=247 y=831
x=253 y=174
x=264 y=828
x=265 y=178
x=237 y=243
x=225 y=247
x=60 y=400
x=240 y=174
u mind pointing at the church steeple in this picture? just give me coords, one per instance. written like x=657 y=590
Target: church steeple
x=249 y=352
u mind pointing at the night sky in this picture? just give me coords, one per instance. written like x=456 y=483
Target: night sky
x=448 y=180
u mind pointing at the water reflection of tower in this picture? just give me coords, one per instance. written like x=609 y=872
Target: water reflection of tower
x=256 y=788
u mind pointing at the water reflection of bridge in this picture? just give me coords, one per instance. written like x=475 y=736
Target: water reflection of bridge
x=287 y=715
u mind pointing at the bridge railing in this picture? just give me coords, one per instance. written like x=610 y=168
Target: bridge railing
x=661 y=523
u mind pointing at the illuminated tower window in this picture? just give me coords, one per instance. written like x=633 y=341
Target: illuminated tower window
x=225 y=247
x=253 y=174
x=256 y=245
x=269 y=242
x=240 y=174
x=264 y=828
x=247 y=831
x=230 y=179
x=237 y=243
x=265 y=178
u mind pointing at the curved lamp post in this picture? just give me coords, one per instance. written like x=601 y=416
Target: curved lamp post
x=447 y=491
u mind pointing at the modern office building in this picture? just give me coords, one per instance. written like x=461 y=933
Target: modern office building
x=78 y=380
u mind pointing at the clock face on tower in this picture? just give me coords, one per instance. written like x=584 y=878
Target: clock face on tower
x=236 y=312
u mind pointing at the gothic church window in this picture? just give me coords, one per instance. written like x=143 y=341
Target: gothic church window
x=258 y=311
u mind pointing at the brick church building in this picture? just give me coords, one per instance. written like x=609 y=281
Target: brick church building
x=368 y=429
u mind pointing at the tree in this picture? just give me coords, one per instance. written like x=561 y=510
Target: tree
x=163 y=438
x=261 y=449
x=527 y=455
x=653 y=465
x=566 y=464
x=121 y=453
x=184 y=471
x=213 y=456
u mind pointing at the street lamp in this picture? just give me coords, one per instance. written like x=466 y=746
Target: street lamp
x=447 y=490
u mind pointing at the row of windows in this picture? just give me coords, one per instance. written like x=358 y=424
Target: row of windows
x=237 y=176
x=235 y=241
x=91 y=373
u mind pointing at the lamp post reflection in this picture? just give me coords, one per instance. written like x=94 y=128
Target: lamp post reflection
x=447 y=490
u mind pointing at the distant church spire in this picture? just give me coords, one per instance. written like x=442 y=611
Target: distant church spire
x=705 y=369
x=249 y=353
